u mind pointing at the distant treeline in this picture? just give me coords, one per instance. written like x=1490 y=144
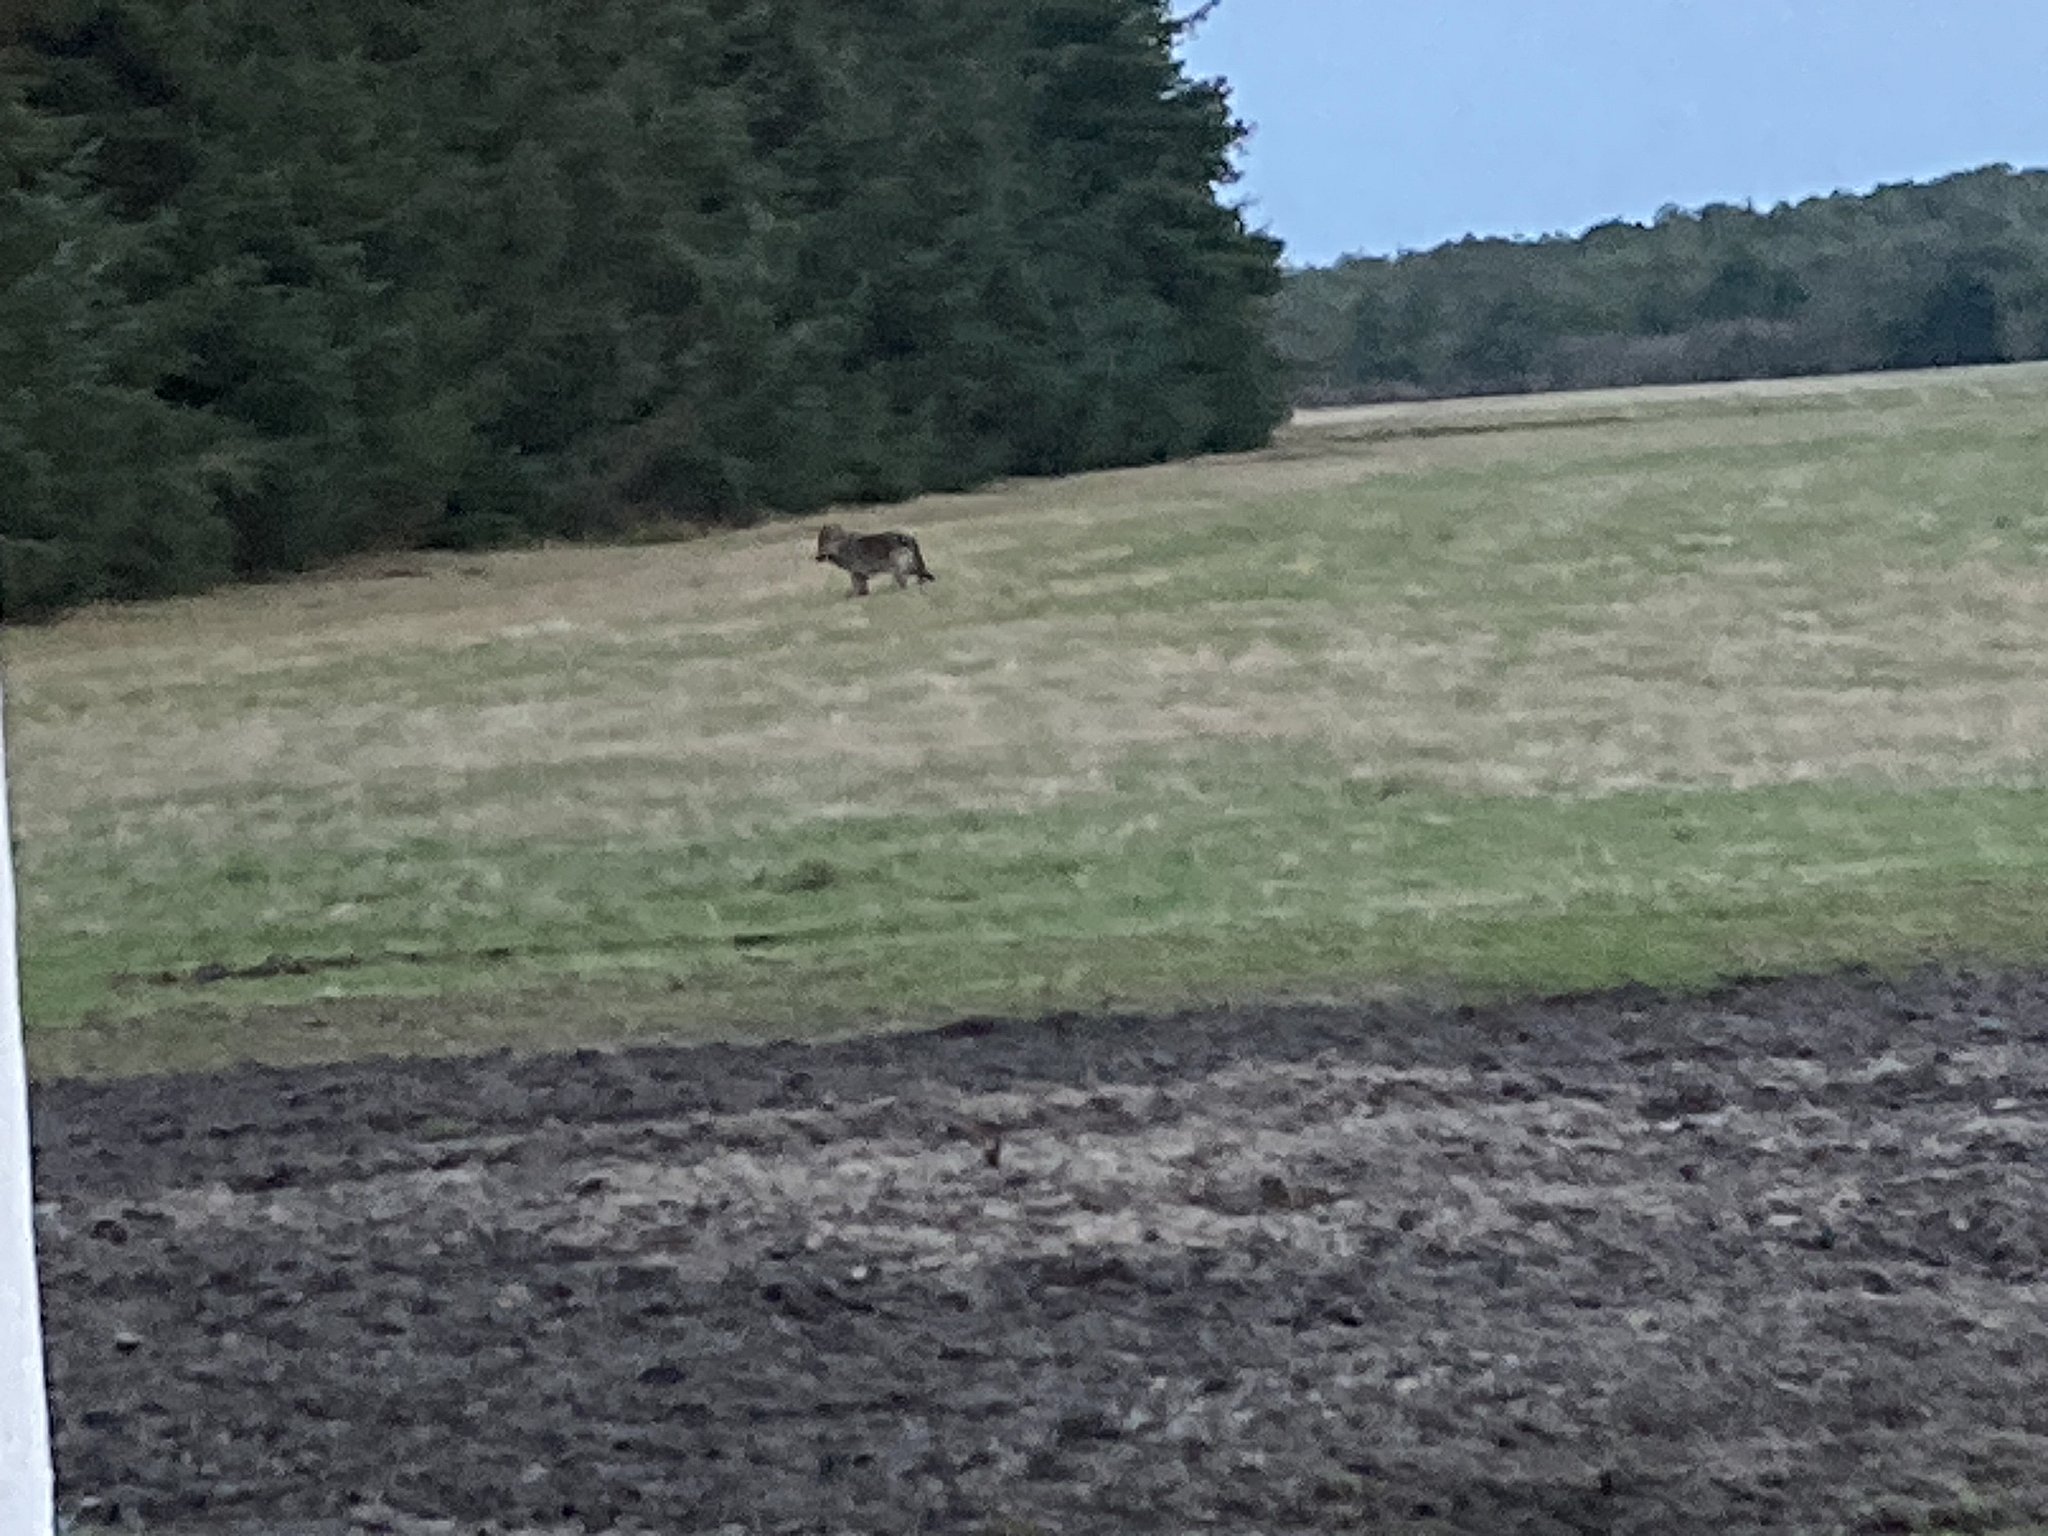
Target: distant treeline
x=279 y=282
x=1908 y=276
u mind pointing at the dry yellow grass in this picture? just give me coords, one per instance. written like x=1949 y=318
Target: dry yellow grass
x=1754 y=666
x=1833 y=583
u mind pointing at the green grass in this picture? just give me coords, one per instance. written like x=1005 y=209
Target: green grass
x=1490 y=697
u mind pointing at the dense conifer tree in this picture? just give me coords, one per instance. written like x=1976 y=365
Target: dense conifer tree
x=281 y=282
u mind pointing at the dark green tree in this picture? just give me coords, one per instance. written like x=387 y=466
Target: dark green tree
x=395 y=274
x=110 y=489
x=1957 y=322
x=1910 y=275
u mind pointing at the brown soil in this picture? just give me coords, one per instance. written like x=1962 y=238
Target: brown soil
x=1773 y=1259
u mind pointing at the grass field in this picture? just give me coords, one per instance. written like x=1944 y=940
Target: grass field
x=1519 y=694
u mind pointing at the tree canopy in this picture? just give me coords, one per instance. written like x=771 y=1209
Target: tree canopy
x=282 y=282
x=1913 y=275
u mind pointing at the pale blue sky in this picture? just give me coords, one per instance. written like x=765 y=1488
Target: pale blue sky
x=1389 y=124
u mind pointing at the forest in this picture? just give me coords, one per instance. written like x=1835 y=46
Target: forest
x=1907 y=276
x=279 y=283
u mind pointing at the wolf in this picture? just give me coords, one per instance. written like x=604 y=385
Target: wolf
x=862 y=555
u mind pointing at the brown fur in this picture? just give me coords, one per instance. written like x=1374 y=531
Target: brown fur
x=865 y=555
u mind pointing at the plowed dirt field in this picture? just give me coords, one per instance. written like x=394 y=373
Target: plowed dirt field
x=1770 y=1259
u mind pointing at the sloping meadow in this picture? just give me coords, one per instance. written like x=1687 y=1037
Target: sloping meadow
x=1493 y=696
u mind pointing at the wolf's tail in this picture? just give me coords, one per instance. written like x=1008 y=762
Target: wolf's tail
x=921 y=572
